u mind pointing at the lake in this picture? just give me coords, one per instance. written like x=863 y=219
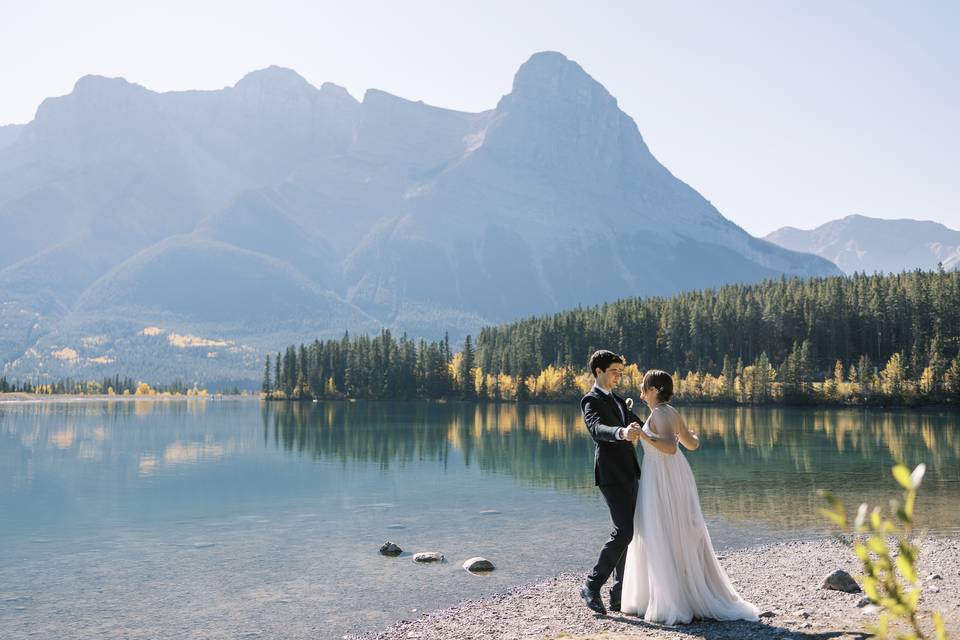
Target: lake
x=230 y=518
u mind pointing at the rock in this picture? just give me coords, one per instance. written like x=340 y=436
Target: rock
x=933 y=589
x=767 y=614
x=478 y=564
x=802 y=614
x=806 y=625
x=864 y=601
x=428 y=556
x=390 y=549
x=934 y=576
x=840 y=580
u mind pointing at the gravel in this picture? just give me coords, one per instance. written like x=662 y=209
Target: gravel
x=783 y=580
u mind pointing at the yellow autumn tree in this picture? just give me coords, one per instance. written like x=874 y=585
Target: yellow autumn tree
x=892 y=376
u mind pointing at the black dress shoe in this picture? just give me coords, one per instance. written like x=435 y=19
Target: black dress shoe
x=614 y=606
x=592 y=600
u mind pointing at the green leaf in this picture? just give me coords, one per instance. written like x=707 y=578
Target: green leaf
x=908 y=507
x=939 y=627
x=906 y=568
x=870 y=588
x=894 y=607
x=883 y=624
x=902 y=476
x=860 y=550
x=904 y=548
x=838 y=518
x=877 y=545
x=882 y=564
x=913 y=598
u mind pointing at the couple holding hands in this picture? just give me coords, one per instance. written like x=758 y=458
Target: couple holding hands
x=659 y=553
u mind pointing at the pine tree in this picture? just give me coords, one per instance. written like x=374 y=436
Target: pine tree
x=265 y=387
x=729 y=378
x=276 y=373
x=952 y=379
x=303 y=389
x=465 y=373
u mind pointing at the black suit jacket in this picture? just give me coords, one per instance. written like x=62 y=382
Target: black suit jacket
x=615 y=461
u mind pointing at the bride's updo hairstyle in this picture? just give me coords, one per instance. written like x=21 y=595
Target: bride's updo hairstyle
x=659 y=380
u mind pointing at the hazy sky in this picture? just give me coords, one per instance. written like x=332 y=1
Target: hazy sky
x=777 y=112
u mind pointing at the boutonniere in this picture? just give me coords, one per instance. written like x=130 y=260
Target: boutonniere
x=629 y=402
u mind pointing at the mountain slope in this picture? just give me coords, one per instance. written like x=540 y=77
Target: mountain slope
x=273 y=212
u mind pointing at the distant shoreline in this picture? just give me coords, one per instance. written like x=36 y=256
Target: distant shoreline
x=932 y=406
x=43 y=398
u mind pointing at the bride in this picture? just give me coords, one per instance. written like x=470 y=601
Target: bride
x=672 y=573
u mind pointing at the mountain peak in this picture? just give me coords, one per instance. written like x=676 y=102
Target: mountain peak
x=549 y=76
x=335 y=91
x=92 y=84
x=547 y=63
x=94 y=98
x=858 y=243
x=276 y=80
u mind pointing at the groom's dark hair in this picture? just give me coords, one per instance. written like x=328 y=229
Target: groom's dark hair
x=602 y=359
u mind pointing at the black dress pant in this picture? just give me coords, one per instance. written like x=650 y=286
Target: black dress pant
x=622 y=502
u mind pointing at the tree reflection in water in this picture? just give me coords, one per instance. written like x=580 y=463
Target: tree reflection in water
x=761 y=464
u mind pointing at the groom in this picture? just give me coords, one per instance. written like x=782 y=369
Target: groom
x=614 y=428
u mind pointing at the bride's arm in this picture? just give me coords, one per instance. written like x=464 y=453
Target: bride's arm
x=687 y=438
x=660 y=443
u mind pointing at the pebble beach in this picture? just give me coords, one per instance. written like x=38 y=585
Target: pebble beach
x=784 y=580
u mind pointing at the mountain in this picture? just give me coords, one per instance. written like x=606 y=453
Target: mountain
x=273 y=212
x=858 y=243
x=9 y=133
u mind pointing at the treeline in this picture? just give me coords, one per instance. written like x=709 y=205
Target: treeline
x=107 y=386
x=845 y=340
x=365 y=367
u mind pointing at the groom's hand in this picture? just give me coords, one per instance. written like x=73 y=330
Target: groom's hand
x=633 y=432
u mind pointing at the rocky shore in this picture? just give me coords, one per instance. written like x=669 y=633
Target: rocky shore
x=784 y=580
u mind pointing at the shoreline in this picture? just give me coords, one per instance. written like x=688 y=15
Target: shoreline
x=40 y=398
x=931 y=406
x=43 y=398
x=782 y=579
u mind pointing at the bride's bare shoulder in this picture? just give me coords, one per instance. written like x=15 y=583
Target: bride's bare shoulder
x=666 y=409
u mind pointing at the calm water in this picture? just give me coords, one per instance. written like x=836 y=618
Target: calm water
x=231 y=519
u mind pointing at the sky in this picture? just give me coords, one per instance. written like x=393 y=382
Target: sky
x=779 y=113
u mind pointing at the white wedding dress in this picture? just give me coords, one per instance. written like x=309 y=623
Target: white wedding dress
x=672 y=573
